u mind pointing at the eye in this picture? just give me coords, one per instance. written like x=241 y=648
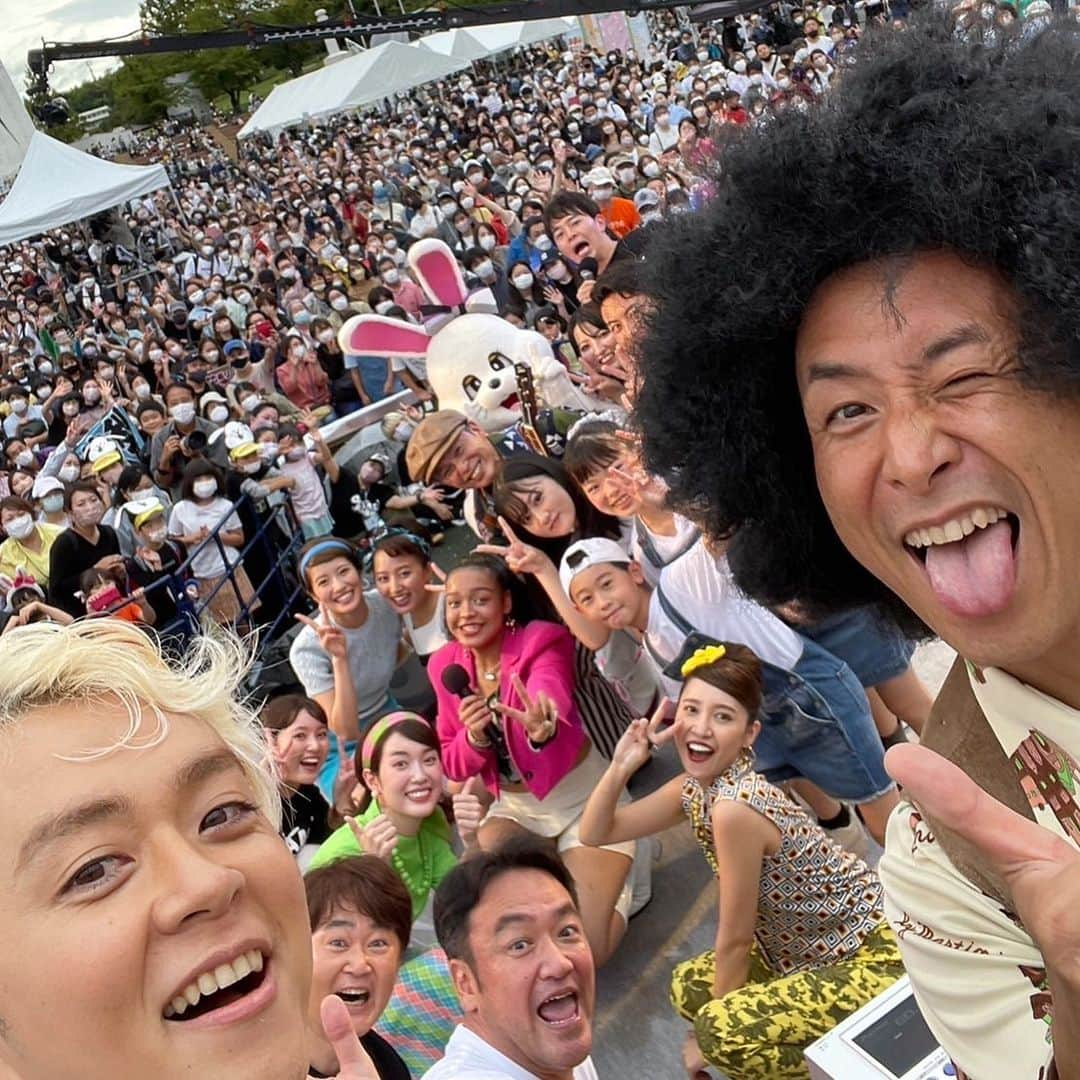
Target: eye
x=96 y=875
x=570 y=932
x=471 y=385
x=497 y=362
x=227 y=814
x=851 y=411
x=520 y=946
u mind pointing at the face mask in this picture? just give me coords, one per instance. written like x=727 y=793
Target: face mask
x=626 y=176
x=53 y=503
x=542 y=243
x=573 y=128
x=290 y=273
x=43 y=393
x=45 y=367
x=207 y=250
x=18 y=406
x=390 y=244
x=196 y=297
x=108 y=372
x=249 y=470
x=183 y=412
x=514 y=204
x=602 y=194
x=486 y=147
x=484 y=269
x=24 y=458
x=155 y=537
x=340 y=303
x=703 y=55
x=69 y=474
x=88 y=517
x=383 y=306
x=243 y=297
x=403 y=432
x=295 y=454
x=21 y=527
x=219 y=414
x=250 y=403
x=204 y=488
x=90 y=351
x=91 y=395
x=269 y=450
x=391 y=277
x=522 y=281
x=558 y=272
x=756 y=80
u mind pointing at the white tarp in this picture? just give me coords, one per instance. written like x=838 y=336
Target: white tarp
x=457 y=43
x=368 y=77
x=502 y=36
x=58 y=184
x=16 y=127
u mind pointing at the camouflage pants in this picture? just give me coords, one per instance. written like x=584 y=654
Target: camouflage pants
x=759 y=1031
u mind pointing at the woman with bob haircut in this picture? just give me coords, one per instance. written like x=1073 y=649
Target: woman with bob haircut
x=141 y=837
x=894 y=387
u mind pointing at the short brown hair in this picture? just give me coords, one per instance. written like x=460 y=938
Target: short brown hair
x=737 y=673
x=364 y=884
x=279 y=712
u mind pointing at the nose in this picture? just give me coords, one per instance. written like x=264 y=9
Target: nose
x=916 y=451
x=555 y=962
x=358 y=962
x=493 y=383
x=192 y=887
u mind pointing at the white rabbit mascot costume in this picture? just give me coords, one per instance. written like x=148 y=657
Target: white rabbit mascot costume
x=470 y=351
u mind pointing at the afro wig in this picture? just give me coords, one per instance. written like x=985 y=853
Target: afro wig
x=933 y=140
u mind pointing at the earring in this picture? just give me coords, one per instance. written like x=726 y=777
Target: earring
x=510 y=622
x=745 y=761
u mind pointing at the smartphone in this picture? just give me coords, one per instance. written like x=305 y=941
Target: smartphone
x=104 y=600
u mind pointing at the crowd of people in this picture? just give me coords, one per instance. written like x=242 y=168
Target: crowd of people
x=651 y=569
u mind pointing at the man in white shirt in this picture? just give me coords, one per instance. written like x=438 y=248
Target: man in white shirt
x=509 y=922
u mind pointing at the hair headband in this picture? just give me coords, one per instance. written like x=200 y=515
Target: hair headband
x=321 y=548
x=379 y=730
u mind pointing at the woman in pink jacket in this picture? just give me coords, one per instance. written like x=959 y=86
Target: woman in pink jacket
x=506 y=714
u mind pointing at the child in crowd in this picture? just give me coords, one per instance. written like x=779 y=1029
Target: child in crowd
x=801 y=938
x=103 y=596
x=308 y=492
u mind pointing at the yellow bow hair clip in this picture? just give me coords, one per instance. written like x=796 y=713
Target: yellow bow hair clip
x=702 y=658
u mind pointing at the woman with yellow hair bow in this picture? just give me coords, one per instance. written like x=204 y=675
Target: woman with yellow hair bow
x=801 y=940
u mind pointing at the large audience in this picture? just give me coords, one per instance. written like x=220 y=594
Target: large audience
x=177 y=381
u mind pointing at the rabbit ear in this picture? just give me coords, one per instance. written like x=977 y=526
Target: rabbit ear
x=435 y=267
x=375 y=335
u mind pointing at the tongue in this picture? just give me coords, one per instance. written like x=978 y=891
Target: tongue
x=974 y=576
x=560 y=1009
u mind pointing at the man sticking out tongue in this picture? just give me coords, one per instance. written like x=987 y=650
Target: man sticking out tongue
x=890 y=417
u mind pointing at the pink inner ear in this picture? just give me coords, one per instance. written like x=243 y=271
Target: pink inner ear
x=385 y=338
x=439 y=270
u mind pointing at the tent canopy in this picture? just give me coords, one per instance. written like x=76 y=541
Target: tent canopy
x=457 y=43
x=508 y=35
x=58 y=184
x=359 y=80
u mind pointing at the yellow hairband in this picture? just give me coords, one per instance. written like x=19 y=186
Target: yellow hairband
x=702 y=658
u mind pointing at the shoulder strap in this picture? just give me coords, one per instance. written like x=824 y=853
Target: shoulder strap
x=672 y=612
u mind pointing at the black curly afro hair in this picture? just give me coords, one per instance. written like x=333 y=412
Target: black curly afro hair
x=932 y=140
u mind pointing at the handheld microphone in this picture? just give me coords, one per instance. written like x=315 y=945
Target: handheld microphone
x=588 y=269
x=456 y=679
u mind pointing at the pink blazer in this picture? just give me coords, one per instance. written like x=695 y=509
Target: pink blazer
x=541 y=654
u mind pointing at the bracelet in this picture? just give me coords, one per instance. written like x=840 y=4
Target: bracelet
x=476 y=744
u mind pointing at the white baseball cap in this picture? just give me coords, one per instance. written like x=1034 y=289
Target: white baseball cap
x=598 y=177
x=583 y=554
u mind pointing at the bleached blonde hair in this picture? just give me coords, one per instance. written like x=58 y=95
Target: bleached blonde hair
x=110 y=660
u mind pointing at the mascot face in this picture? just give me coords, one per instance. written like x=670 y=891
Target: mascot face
x=471 y=357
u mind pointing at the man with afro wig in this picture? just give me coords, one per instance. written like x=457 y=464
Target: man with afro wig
x=863 y=372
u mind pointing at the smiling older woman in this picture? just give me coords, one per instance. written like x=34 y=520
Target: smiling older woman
x=145 y=888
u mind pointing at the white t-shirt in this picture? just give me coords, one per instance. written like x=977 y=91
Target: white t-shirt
x=188 y=517
x=701 y=589
x=430 y=637
x=468 y=1057
x=654 y=551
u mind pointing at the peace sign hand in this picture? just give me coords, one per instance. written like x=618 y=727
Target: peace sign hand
x=540 y=715
x=331 y=636
x=1040 y=869
x=353 y=1061
x=520 y=557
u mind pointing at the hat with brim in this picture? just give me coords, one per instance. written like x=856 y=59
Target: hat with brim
x=431 y=440
x=142 y=510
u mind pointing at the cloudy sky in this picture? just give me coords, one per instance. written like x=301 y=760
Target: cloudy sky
x=27 y=22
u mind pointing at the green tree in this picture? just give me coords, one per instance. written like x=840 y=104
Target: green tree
x=140 y=94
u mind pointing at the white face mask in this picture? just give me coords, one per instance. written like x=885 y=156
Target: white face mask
x=383 y=306
x=142 y=391
x=250 y=403
x=484 y=269
x=69 y=474
x=403 y=432
x=53 y=503
x=219 y=414
x=18 y=406
x=155 y=537
x=391 y=277
x=204 y=488
x=340 y=303
x=651 y=169
x=24 y=458
x=243 y=298
x=91 y=395
x=183 y=412
x=522 y=281
x=20 y=527
x=326 y=336
x=269 y=450
x=487 y=243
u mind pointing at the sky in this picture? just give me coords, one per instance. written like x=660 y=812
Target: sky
x=27 y=22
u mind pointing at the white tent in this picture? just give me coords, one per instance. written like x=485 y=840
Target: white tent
x=58 y=184
x=458 y=43
x=502 y=36
x=368 y=77
x=16 y=127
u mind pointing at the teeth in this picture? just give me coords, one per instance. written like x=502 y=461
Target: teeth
x=955 y=529
x=699 y=748
x=209 y=982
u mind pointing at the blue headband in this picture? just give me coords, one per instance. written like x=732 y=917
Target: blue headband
x=321 y=548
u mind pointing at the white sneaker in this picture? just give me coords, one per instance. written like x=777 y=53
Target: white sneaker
x=647 y=853
x=852 y=836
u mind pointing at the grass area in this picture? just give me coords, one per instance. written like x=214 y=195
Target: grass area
x=264 y=85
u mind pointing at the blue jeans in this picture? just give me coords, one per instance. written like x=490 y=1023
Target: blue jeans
x=874 y=649
x=816 y=724
x=338 y=751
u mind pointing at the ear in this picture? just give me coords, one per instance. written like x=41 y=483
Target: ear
x=753 y=729
x=635 y=572
x=371 y=782
x=466 y=985
x=438 y=273
x=375 y=335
